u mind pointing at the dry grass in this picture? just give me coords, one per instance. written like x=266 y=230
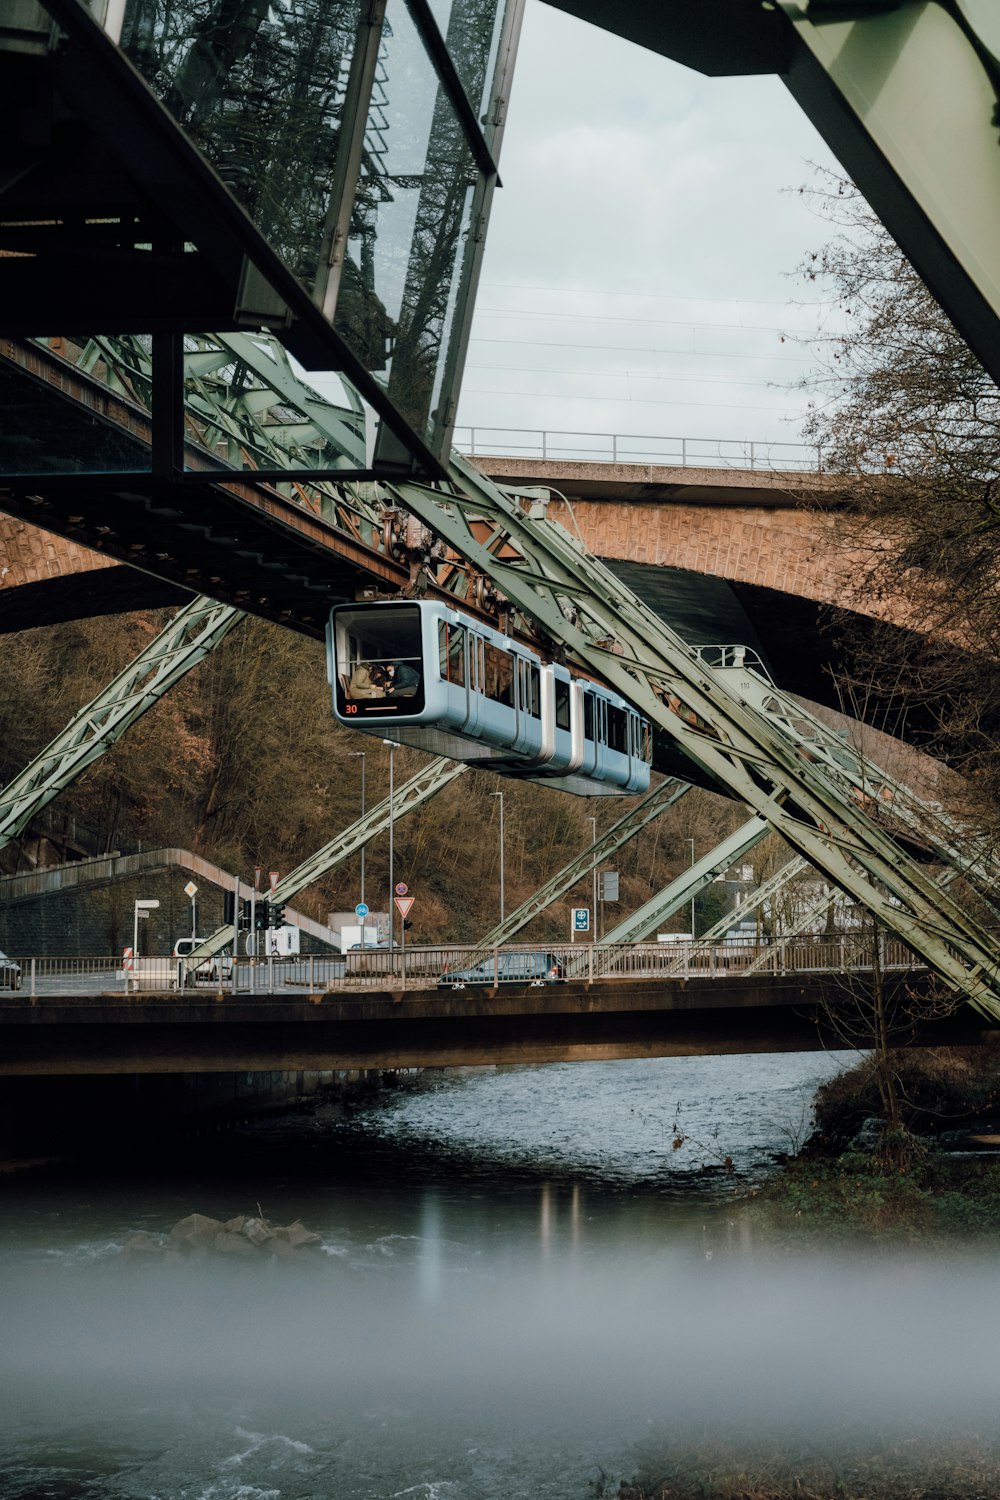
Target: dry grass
x=944 y=1467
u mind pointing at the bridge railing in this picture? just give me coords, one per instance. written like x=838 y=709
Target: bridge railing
x=453 y=967
x=633 y=448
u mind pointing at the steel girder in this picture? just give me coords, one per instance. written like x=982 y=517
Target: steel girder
x=187 y=640
x=420 y=788
x=655 y=802
x=751 y=902
x=687 y=884
x=710 y=715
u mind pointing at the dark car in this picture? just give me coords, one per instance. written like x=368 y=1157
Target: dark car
x=510 y=968
x=10 y=973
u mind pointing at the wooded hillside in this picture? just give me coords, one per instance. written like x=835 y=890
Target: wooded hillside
x=243 y=763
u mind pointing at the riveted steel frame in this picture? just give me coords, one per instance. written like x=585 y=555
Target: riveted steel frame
x=433 y=778
x=192 y=633
x=580 y=604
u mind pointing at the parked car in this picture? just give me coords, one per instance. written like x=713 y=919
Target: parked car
x=510 y=968
x=10 y=973
x=211 y=970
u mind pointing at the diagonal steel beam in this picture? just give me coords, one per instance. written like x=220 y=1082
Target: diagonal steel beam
x=192 y=633
x=655 y=802
x=549 y=577
x=687 y=884
x=433 y=778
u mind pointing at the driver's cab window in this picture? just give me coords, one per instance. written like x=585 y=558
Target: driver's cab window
x=379 y=661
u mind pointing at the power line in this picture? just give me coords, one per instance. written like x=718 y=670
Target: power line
x=624 y=375
x=641 y=349
x=579 y=317
x=623 y=400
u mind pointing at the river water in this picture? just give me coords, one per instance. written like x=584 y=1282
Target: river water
x=520 y=1277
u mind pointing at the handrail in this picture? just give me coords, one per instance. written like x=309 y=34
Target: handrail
x=450 y=966
x=557 y=444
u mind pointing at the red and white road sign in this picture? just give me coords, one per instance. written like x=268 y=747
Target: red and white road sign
x=127 y=959
x=272 y=876
x=403 y=904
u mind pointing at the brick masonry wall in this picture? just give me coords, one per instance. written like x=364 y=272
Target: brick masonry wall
x=29 y=555
x=779 y=548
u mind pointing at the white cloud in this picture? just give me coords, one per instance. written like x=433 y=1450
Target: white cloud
x=639 y=260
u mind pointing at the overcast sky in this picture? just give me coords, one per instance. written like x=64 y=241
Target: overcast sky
x=639 y=270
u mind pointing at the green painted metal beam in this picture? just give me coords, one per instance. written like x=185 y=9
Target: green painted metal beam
x=681 y=891
x=192 y=633
x=548 y=576
x=655 y=802
x=430 y=780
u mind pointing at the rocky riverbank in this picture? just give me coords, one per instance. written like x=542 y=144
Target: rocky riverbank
x=248 y=1236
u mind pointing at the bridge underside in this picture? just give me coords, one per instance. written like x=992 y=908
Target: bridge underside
x=158 y=1034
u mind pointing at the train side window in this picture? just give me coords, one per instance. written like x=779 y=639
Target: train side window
x=562 y=704
x=451 y=653
x=588 y=715
x=534 y=704
x=617 y=729
x=498 y=683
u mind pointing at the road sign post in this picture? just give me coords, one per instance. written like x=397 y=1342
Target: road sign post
x=191 y=890
x=141 y=909
x=580 y=922
x=403 y=903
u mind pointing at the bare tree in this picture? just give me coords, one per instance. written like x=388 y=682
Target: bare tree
x=904 y=412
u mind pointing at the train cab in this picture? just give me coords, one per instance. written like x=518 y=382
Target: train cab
x=425 y=674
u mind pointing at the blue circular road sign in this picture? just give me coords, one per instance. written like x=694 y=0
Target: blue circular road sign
x=361 y=910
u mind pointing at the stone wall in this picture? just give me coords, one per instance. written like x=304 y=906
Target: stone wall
x=86 y=908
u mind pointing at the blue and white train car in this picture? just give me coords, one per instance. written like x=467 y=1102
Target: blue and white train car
x=425 y=674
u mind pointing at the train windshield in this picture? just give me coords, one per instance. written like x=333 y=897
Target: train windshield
x=380 y=668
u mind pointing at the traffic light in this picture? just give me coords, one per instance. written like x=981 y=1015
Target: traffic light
x=260 y=916
x=275 y=916
x=235 y=915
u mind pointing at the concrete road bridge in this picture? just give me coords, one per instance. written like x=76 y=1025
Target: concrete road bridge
x=85 y=1020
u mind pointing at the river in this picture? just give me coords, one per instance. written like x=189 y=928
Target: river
x=520 y=1276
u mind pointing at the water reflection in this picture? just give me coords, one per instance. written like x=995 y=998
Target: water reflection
x=506 y=1301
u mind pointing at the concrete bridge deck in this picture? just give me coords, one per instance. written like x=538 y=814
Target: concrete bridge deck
x=157 y=1033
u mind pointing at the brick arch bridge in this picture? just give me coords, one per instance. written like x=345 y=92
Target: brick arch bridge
x=721 y=554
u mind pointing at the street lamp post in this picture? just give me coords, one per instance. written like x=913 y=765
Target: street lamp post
x=360 y=755
x=593 y=894
x=691 y=842
x=500 y=795
x=392 y=818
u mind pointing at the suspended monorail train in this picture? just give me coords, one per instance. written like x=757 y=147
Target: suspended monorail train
x=423 y=673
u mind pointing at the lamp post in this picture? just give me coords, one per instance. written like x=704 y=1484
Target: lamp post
x=691 y=842
x=593 y=894
x=500 y=795
x=392 y=818
x=360 y=755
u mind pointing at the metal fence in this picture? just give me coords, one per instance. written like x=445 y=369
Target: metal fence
x=451 y=967
x=633 y=448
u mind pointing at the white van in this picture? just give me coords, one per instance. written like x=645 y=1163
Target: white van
x=220 y=966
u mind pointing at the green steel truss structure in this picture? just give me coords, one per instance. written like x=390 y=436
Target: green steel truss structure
x=714 y=714
x=192 y=633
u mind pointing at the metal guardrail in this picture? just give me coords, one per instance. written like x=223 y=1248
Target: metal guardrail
x=451 y=967
x=631 y=448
